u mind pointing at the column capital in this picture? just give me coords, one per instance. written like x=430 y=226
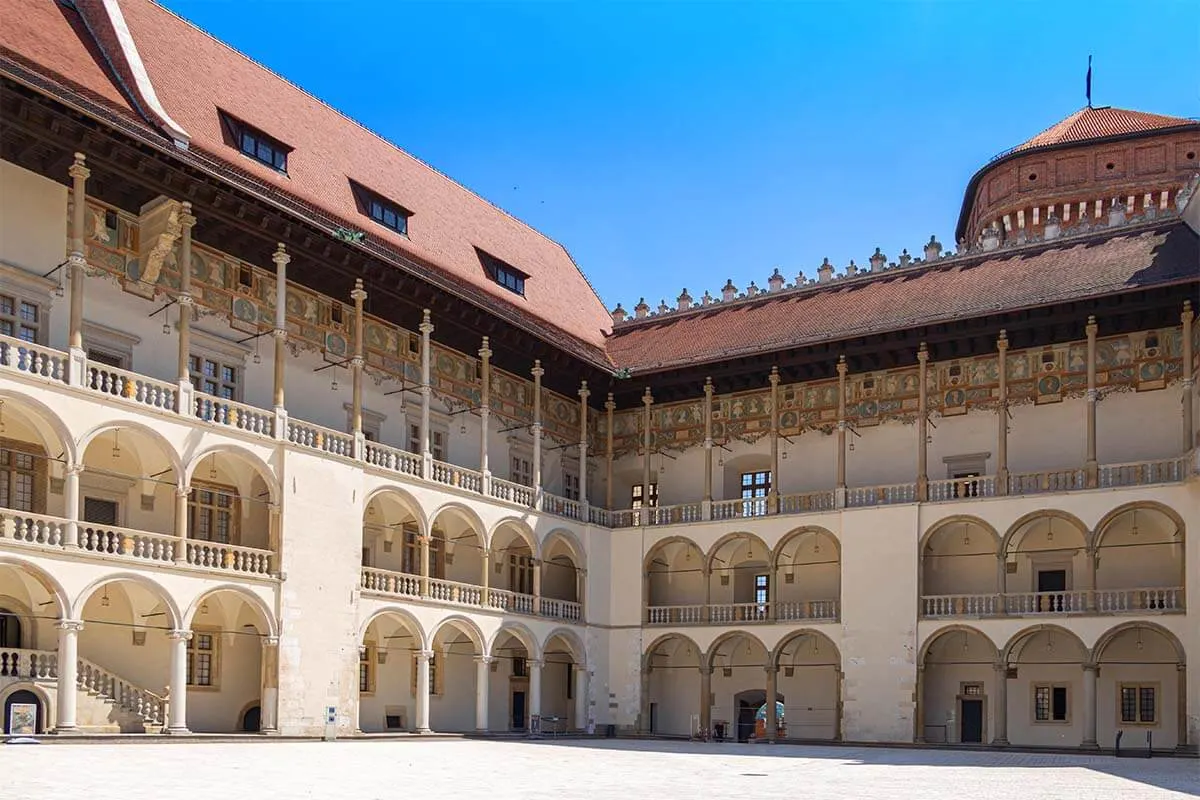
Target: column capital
x=185 y=299
x=708 y=386
x=1002 y=342
x=424 y=655
x=484 y=659
x=609 y=405
x=180 y=634
x=923 y=353
x=1187 y=315
x=1091 y=328
x=584 y=392
x=647 y=398
x=78 y=170
x=773 y=378
x=534 y=663
x=75 y=469
x=841 y=366
x=705 y=670
x=75 y=625
x=187 y=219
x=537 y=372
x=1090 y=666
x=269 y=641
x=485 y=350
x=358 y=293
x=1000 y=666
x=426 y=325
x=279 y=333
x=770 y=669
x=281 y=257
x=182 y=490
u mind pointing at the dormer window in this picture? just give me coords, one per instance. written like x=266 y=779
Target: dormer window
x=503 y=273
x=254 y=143
x=379 y=208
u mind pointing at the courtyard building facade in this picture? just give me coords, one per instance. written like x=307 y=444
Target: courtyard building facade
x=298 y=436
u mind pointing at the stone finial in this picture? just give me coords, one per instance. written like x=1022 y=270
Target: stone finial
x=1116 y=214
x=707 y=299
x=933 y=249
x=851 y=269
x=800 y=279
x=991 y=238
x=641 y=310
x=684 y=301
x=1052 y=228
x=728 y=291
x=663 y=308
x=619 y=314
x=878 y=260
x=775 y=282
x=825 y=271
x=905 y=258
x=751 y=290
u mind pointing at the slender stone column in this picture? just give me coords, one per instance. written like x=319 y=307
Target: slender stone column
x=423 y=542
x=77 y=263
x=68 y=661
x=359 y=296
x=609 y=406
x=71 y=499
x=923 y=424
x=1000 y=707
x=841 y=431
x=537 y=373
x=281 y=259
x=919 y=707
x=581 y=677
x=485 y=411
x=426 y=329
x=1181 y=716
x=1002 y=431
x=584 y=394
x=1089 y=705
x=1090 y=467
x=1189 y=379
x=644 y=698
x=535 y=687
x=186 y=222
x=483 y=665
x=423 y=659
x=485 y=594
x=177 y=721
x=269 y=706
x=772 y=716
x=706 y=574
x=706 y=699
x=1001 y=578
x=182 y=493
x=773 y=492
x=647 y=401
x=706 y=505
x=537 y=586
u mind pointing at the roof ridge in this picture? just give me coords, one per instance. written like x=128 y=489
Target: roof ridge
x=364 y=127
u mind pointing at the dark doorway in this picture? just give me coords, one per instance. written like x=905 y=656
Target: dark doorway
x=252 y=720
x=745 y=720
x=10 y=629
x=972 y=721
x=23 y=698
x=654 y=717
x=1052 y=580
x=518 y=711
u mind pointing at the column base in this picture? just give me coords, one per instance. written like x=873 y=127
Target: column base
x=1000 y=742
x=176 y=732
x=421 y=731
x=59 y=730
x=1089 y=745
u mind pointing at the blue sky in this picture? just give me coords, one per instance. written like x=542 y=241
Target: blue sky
x=678 y=144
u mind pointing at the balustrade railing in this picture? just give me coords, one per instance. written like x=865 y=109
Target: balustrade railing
x=500 y=489
x=306 y=434
x=1158 y=599
x=793 y=610
x=600 y=516
x=33 y=359
x=385 y=581
x=1062 y=480
x=126 y=543
x=962 y=605
x=454 y=592
x=229 y=557
x=124 y=695
x=736 y=509
x=1080 y=601
x=676 y=615
x=863 y=496
x=234 y=415
x=16 y=662
x=560 y=609
x=130 y=386
x=726 y=613
x=962 y=488
x=393 y=459
x=807 y=502
x=624 y=518
x=673 y=515
x=463 y=478
x=562 y=506
x=1142 y=473
x=33 y=529
x=1072 y=602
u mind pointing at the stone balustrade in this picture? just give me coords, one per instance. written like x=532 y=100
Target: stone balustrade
x=401 y=584
x=962 y=488
x=504 y=490
x=229 y=557
x=33 y=359
x=131 y=386
x=397 y=584
x=1074 y=602
x=743 y=613
x=315 y=437
x=234 y=415
x=17 y=662
x=92 y=678
x=127 y=543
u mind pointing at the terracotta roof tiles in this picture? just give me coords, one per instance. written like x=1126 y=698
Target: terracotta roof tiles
x=1101 y=123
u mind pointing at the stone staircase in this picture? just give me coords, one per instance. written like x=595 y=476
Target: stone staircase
x=105 y=703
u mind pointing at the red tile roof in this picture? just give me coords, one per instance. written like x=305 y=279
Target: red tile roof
x=1100 y=123
x=916 y=296
x=194 y=75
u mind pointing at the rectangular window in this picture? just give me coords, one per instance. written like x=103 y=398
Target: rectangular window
x=366 y=669
x=636 y=496
x=570 y=681
x=503 y=273
x=215 y=378
x=755 y=488
x=520 y=667
x=437 y=441
x=570 y=485
x=521 y=471
x=18 y=478
x=100 y=512
x=202 y=659
x=389 y=216
x=520 y=574
x=1050 y=704
x=19 y=318
x=213 y=513
x=255 y=144
x=761 y=589
x=1139 y=704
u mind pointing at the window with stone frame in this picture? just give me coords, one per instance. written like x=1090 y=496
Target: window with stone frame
x=435 y=674
x=215 y=376
x=214 y=513
x=372 y=422
x=22 y=477
x=437 y=439
x=366 y=668
x=20 y=318
x=1138 y=704
x=1051 y=704
x=636 y=500
x=570 y=485
x=203 y=662
x=520 y=573
x=109 y=346
x=520 y=468
x=755 y=486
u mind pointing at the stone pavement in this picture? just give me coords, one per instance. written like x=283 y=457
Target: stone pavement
x=626 y=770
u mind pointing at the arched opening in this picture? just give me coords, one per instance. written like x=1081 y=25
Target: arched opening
x=127 y=494
x=30 y=606
x=125 y=657
x=456 y=557
x=738 y=662
x=807 y=576
x=961 y=571
x=809 y=684
x=33 y=461
x=1046 y=698
x=453 y=667
x=516 y=574
x=387 y=685
x=960 y=688
x=512 y=689
x=391 y=545
x=564 y=684
x=225 y=663
x=1047 y=566
x=1140 y=560
x=675 y=583
x=1142 y=689
x=229 y=513
x=251 y=720
x=24 y=713
x=671 y=686
x=562 y=579
x=739 y=580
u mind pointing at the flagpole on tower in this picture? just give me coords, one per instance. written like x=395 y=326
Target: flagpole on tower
x=1089 y=82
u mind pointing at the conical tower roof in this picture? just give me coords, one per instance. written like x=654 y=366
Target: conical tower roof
x=1100 y=123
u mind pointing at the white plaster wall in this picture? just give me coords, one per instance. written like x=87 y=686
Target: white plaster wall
x=810 y=701
x=454 y=708
x=33 y=214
